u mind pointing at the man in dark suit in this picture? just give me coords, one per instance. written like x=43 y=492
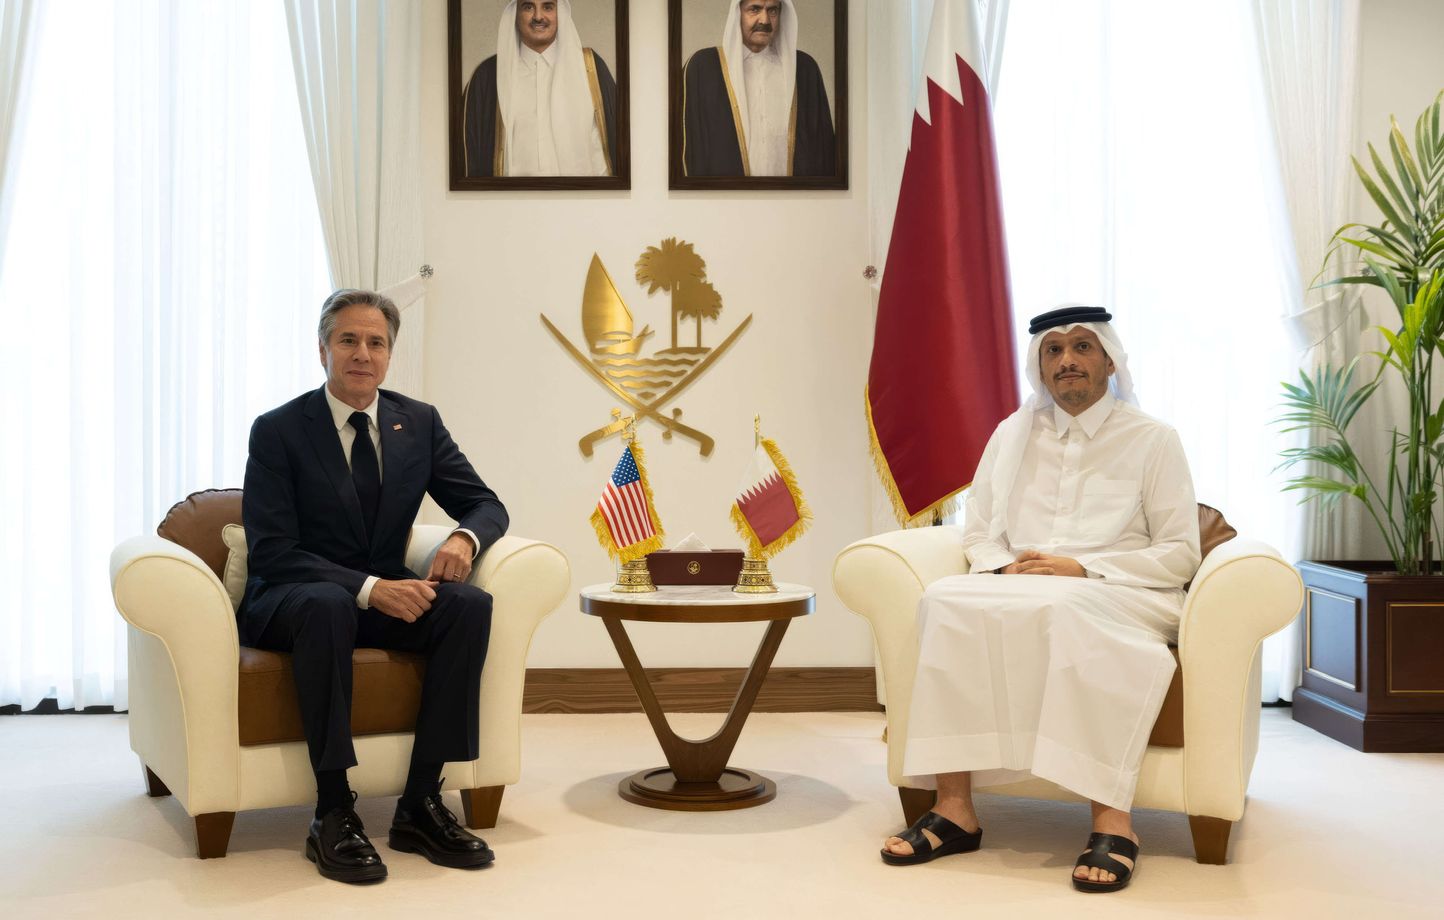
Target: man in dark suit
x=334 y=480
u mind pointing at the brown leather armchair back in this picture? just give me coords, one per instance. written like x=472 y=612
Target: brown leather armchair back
x=196 y=524
x=1212 y=528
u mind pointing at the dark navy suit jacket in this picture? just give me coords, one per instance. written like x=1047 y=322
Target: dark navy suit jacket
x=302 y=516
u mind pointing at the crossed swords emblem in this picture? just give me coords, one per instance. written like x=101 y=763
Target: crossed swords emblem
x=608 y=327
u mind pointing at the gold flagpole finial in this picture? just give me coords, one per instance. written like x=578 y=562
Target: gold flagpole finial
x=756 y=430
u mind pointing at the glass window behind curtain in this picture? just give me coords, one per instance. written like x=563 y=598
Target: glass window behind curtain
x=165 y=266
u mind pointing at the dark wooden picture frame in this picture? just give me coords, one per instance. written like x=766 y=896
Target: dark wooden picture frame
x=679 y=57
x=621 y=155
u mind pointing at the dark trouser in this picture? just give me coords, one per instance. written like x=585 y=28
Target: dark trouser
x=320 y=625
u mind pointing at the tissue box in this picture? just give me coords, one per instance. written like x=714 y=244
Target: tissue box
x=679 y=567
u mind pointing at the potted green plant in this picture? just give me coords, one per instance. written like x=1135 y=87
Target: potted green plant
x=1374 y=630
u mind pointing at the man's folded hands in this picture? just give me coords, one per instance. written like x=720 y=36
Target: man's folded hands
x=1032 y=562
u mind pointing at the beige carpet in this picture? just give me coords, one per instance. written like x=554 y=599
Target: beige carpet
x=1330 y=832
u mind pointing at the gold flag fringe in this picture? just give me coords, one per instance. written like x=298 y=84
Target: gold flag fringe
x=625 y=554
x=804 y=513
x=944 y=506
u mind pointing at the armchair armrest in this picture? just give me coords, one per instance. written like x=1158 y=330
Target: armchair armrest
x=1243 y=593
x=183 y=653
x=527 y=579
x=882 y=579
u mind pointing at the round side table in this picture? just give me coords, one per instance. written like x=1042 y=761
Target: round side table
x=697 y=777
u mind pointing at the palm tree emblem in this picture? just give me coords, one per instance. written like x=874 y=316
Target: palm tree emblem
x=676 y=268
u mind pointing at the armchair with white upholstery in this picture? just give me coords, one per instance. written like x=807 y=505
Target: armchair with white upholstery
x=217 y=725
x=1202 y=749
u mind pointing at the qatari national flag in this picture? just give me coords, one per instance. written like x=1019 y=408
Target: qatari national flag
x=943 y=373
x=769 y=511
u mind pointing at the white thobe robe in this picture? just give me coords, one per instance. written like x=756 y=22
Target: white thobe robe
x=534 y=146
x=769 y=109
x=1061 y=678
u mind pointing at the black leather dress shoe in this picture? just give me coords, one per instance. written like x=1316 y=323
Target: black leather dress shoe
x=338 y=846
x=433 y=831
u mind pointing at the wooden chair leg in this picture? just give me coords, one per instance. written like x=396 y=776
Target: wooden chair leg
x=916 y=802
x=481 y=806
x=213 y=833
x=1210 y=839
x=153 y=786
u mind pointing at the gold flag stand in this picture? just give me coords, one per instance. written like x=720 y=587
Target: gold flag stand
x=755 y=578
x=633 y=577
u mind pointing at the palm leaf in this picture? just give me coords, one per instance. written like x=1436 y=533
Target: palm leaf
x=1326 y=491
x=1385 y=207
x=1389 y=282
x=1336 y=454
x=1353 y=279
x=1379 y=249
x=1405 y=202
x=1403 y=160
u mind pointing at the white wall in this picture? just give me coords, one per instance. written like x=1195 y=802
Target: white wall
x=517 y=403
x=1401 y=69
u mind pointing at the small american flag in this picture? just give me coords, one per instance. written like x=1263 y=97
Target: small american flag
x=625 y=521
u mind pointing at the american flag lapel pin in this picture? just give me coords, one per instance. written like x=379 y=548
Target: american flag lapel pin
x=396 y=427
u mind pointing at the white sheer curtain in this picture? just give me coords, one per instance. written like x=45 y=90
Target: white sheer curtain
x=1139 y=173
x=16 y=20
x=358 y=76
x=161 y=289
x=1309 y=55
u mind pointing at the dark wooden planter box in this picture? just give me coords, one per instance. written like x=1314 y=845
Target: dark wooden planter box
x=1373 y=656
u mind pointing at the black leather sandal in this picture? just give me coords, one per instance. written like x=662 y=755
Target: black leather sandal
x=951 y=839
x=1097 y=857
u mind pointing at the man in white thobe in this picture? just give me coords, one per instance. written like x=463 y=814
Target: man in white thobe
x=1023 y=669
x=756 y=104
x=769 y=88
x=543 y=105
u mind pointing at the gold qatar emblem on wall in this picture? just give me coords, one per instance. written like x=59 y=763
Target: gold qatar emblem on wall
x=614 y=356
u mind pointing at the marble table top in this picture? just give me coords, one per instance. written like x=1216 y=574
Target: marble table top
x=698 y=595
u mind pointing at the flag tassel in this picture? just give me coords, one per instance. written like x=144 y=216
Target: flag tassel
x=944 y=506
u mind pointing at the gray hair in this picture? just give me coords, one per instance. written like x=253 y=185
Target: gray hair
x=351 y=297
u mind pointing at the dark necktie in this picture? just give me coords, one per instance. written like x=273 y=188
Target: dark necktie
x=365 y=471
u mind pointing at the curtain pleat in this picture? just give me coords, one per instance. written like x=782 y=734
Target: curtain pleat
x=358 y=77
x=17 y=21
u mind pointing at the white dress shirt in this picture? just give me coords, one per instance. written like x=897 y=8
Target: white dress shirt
x=534 y=142
x=769 y=111
x=341 y=415
x=1109 y=488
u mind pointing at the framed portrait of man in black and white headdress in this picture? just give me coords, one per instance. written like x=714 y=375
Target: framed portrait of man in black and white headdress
x=759 y=94
x=538 y=94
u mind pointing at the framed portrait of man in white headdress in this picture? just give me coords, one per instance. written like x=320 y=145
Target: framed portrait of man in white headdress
x=538 y=94
x=759 y=94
